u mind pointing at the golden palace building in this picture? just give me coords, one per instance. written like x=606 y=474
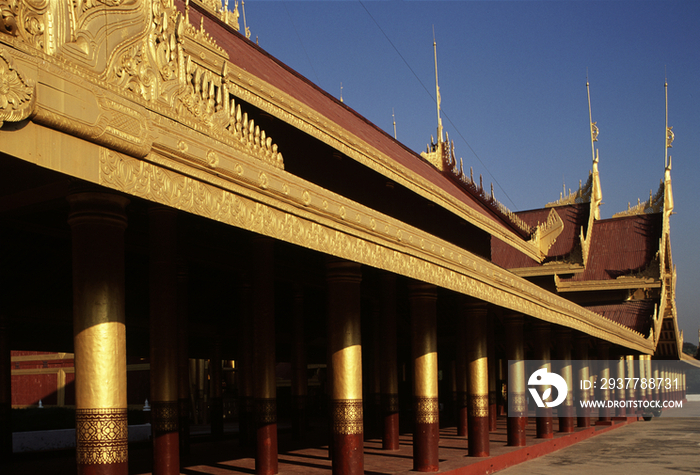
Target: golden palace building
x=172 y=193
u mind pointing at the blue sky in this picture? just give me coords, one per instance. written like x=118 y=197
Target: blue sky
x=513 y=86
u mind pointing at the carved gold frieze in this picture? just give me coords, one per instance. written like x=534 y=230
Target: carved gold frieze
x=299 y=212
x=17 y=93
x=101 y=436
x=478 y=405
x=347 y=416
x=427 y=410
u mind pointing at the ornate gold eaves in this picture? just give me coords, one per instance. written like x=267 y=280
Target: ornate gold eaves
x=655 y=204
x=582 y=195
x=17 y=93
x=271 y=202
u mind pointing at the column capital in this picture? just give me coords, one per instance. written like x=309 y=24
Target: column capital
x=422 y=290
x=93 y=205
x=341 y=270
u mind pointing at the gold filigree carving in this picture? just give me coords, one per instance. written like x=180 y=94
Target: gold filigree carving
x=390 y=403
x=265 y=410
x=478 y=405
x=17 y=94
x=517 y=404
x=212 y=159
x=347 y=416
x=101 y=436
x=427 y=410
x=164 y=416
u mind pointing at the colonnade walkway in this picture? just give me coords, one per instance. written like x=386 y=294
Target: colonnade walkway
x=302 y=455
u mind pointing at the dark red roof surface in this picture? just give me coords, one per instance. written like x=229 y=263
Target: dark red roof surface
x=621 y=246
x=574 y=216
x=248 y=56
x=634 y=314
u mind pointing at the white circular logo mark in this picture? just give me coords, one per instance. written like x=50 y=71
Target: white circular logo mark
x=542 y=378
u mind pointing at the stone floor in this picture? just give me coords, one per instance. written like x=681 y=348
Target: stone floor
x=310 y=457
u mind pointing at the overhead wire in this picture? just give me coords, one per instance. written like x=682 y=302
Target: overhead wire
x=435 y=99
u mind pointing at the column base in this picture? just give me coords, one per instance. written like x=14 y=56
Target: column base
x=390 y=439
x=426 y=440
x=516 y=431
x=348 y=454
x=266 y=450
x=478 y=437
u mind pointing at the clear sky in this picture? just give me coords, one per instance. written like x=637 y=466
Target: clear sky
x=513 y=86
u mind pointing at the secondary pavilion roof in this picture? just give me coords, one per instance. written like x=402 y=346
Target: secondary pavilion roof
x=622 y=246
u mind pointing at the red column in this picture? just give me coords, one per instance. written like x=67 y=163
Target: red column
x=426 y=436
x=345 y=351
x=542 y=337
x=5 y=393
x=389 y=378
x=478 y=378
x=244 y=373
x=566 y=410
x=164 y=340
x=517 y=399
x=216 y=402
x=265 y=383
x=300 y=379
x=183 y=361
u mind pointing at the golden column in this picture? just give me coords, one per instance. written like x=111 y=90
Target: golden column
x=656 y=390
x=216 y=402
x=300 y=379
x=631 y=393
x=164 y=339
x=605 y=413
x=426 y=436
x=97 y=222
x=462 y=386
x=5 y=392
x=244 y=371
x=478 y=377
x=345 y=351
x=582 y=377
x=517 y=397
x=183 y=361
x=493 y=363
x=372 y=379
x=566 y=410
x=265 y=383
x=389 y=377
x=620 y=389
x=647 y=366
x=543 y=336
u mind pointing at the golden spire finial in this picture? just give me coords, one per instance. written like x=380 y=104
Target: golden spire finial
x=670 y=136
x=245 y=25
x=594 y=127
x=437 y=90
x=393 y=118
x=341 y=92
